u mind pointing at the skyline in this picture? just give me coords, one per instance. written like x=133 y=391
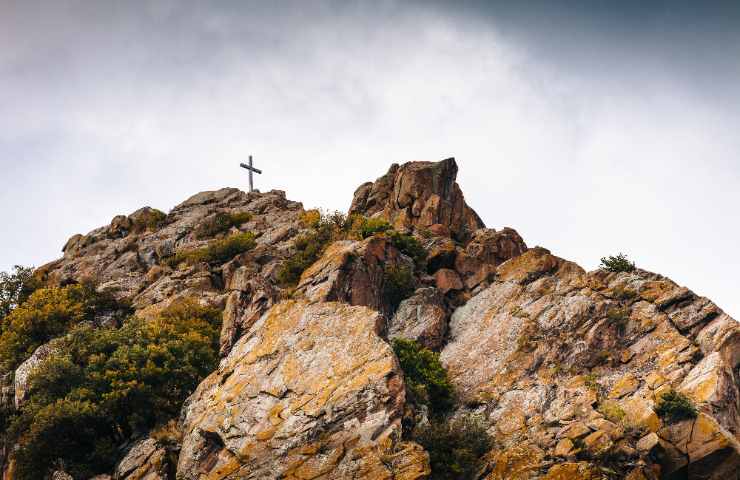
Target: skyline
x=591 y=128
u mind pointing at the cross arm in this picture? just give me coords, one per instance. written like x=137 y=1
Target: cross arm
x=255 y=170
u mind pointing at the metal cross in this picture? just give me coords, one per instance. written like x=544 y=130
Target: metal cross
x=251 y=169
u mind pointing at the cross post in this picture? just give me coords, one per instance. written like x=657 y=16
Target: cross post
x=251 y=169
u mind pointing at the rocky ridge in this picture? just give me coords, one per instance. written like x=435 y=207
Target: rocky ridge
x=563 y=365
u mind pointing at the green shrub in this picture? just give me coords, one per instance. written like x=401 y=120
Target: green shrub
x=611 y=410
x=309 y=247
x=219 y=223
x=218 y=251
x=109 y=385
x=618 y=263
x=409 y=245
x=371 y=226
x=15 y=288
x=674 y=407
x=150 y=219
x=425 y=376
x=398 y=284
x=47 y=313
x=455 y=447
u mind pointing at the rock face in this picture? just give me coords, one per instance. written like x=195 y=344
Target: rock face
x=422 y=317
x=311 y=391
x=549 y=352
x=418 y=195
x=564 y=366
x=25 y=369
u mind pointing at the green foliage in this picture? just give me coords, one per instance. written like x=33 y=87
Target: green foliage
x=371 y=226
x=15 y=288
x=309 y=247
x=619 y=263
x=455 y=447
x=219 y=223
x=218 y=251
x=150 y=219
x=611 y=411
x=108 y=385
x=425 y=376
x=409 y=245
x=47 y=313
x=398 y=284
x=674 y=407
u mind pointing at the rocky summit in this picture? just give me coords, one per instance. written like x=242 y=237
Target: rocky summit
x=404 y=340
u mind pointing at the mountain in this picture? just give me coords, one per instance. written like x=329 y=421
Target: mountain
x=404 y=340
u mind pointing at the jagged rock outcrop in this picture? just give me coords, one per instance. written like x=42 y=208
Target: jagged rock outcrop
x=311 y=391
x=354 y=272
x=419 y=195
x=553 y=356
x=564 y=366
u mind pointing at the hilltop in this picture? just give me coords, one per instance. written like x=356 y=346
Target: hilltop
x=404 y=340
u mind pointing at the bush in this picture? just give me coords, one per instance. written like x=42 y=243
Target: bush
x=409 y=245
x=674 y=407
x=219 y=223
x=218 y=251
x=454 y=447
x=370 y=226
x=150 y=219
x=110 y=385
x=309 y=247
x=15 y=288
x=398 y=284
x=48 y=313
x=611 y=410
x=620 y=263
x=425 y=377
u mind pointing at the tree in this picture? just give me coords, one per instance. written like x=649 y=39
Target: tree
x=15 y=288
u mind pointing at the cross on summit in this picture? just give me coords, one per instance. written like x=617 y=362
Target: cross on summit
x=251 y=169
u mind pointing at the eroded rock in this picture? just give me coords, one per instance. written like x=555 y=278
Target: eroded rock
x=311 y=391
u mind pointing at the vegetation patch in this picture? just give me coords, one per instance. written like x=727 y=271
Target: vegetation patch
x=426 y=378
x=149 y=219
x=611 y=410
x=410 y=246
x=46 y=314
x=15 y=288
x=370 y=226
x=218 y=251
x=219 y=223
x=455 y=447
x=107 y=386
x=398 y=284
x=308 y=248
x=618 y=317
x=674 y=407
x=618 y=263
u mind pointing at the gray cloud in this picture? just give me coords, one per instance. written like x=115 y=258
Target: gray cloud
x=590 y=130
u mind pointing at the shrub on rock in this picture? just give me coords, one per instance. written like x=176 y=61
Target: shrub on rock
x=618 y=263
x=425 y=376
x=674 y=407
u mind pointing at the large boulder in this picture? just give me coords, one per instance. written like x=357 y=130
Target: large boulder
x=26 y=369
x=311 y=391
x=418 y=195
x=422 y=317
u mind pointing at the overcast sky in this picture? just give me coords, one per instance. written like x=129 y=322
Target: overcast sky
x=591 y=127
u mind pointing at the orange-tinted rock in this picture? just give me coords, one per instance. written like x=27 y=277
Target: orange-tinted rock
x=447 y=280
x=418 y=195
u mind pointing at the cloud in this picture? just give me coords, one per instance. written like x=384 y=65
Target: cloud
x=587 y=149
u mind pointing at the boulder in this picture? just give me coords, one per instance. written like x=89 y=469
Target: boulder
x=422 y=317
x=418 y=195
x=310 y=391
x=486 y=250
x=25 y=369
x=146 y=460
x=353 y=272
